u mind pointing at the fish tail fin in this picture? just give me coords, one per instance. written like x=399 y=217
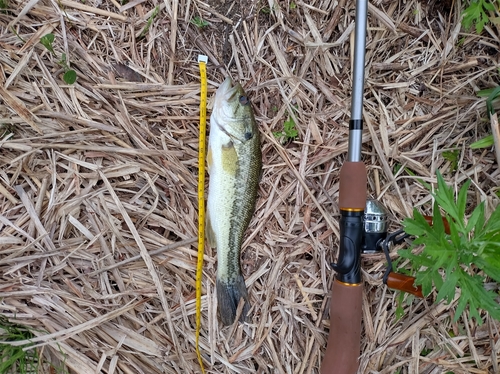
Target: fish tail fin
x=229 y=293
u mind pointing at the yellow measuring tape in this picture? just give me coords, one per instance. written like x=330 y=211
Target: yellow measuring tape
x=202 y=62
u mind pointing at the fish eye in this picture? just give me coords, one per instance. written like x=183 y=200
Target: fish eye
x=243 y=100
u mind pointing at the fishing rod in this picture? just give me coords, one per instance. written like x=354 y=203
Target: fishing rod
x=343 y=347
x=363 y=229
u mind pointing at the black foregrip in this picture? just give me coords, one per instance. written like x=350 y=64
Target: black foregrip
x=348 y=265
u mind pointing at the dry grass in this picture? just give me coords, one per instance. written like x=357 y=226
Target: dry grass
x=98 y=179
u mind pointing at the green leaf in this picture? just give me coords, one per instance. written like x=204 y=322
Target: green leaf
x=199 y=22
x=70 y=76
x=289 y=128
x=476 y=219
x=63 y=62
x=462 y=259
x=488 y=6
x=490 y=264
x=425 y=352
x=437 y=279
x=437 y=221
x=478 y=297
x=489 y=101
x=399 y=306
x=462 y=204
x=471 y=14
x=452 y=157
x=455 y=237
x=426 y=281
x=150 y=22
x=410 y=172
x=397 y=167
x=493 y=223
x=485 y=142
x=462 y=303
x=47 y=42
x=444 y=197
x=475 y=13
x=447 y=290
x=417 y=226
x=18 y=359
x=484 y=93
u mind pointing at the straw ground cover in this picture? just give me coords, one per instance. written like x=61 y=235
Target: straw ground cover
x=98 y=178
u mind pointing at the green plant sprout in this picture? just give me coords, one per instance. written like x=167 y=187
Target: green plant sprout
x=6 y=129
x=452 y=157
x=265 y=10
x=464 y=259
x=15 y=359
x=289 y=128
x=150 y=21
x=69 y=76
x=476 y=14
x=199 y=22
x=410 y=172
x=47 y=41
x=400 y=299
x=491 y=95
x=4 y=4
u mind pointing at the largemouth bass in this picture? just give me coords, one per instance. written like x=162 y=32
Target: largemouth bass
x=234 y=163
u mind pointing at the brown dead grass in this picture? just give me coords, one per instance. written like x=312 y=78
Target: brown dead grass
x=98 y=179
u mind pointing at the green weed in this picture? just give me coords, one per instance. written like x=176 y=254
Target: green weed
x=477 y=14
x=463 y=259
x=14 y=359
x=410 y=172
x=485 y=142
x=452 y=157
x=47 y=41
x=150 y=21
x=400 y=299
x=69 y=74
x=289 y=131
x=491 y=95
x=199 y=22
x=4 y=5
x=6 y=129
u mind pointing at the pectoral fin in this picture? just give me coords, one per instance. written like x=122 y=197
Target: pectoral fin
x=229 y=158
x=209 y=160
x=209 y=232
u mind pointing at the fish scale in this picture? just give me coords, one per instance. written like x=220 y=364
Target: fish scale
x=234 y=165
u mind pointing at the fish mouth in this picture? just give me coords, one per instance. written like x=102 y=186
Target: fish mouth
x=227 y=91
x=227 y=94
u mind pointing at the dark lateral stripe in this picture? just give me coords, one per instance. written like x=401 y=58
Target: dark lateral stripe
x=356 y=124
